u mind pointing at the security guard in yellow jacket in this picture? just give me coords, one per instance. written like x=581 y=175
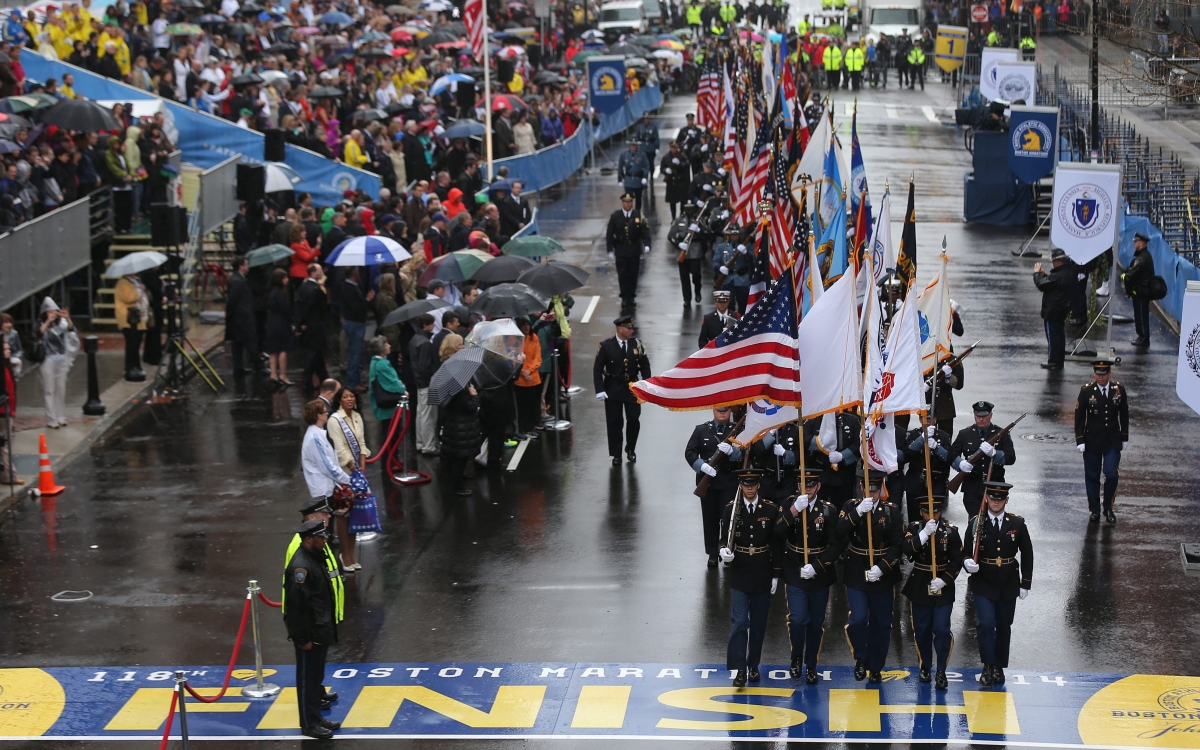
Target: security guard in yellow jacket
x=1028 y=47
x=833 y=66
x=317 y=509
x=916 y=66
x=856 y=60
x=694 y=21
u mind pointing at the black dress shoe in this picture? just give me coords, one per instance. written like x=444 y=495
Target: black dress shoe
x=1051 y=366
x=875 y=677
x=998 y=675
x=739 y=679
x=616 y=460
x=331 y=725
x=985 y=677
x=754 y=675
x=631 y=457
x=712 y=561
x=924 y=676
x=135 y=376
x=1141 y=341
x=317 y=733
x=860 y=670
x=330 y=696
x=939 y=681
x=810 y=675
x=1110 y=517
x=1093 y=518
x=797 y=668
x=326 y=705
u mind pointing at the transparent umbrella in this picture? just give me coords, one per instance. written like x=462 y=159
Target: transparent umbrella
x=502 y=344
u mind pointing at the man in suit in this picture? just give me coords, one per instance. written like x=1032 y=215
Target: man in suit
x=239 y=320
x=718 y=320
x=627 y=238
x=1102 y=432
x=621 y=360
x=503 y=143
x=308 y=318
x=424 y=361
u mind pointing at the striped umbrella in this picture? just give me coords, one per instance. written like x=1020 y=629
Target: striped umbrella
x=368 y=251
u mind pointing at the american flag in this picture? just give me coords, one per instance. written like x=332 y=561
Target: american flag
x=760 y=271
x=708 y=98
x=755 y=167
x=758 y=357
x=735 y=133
x=476 y=26
x=783 y=217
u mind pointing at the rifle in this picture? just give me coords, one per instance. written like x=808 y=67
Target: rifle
x=715 y=461
x=956 y=481
x=737 y=505
x=982 y=506
x=951 y=362
x=687 y=241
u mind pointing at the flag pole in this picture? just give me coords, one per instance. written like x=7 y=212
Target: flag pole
x=487 y=94
x=932 y=413
x=863 y=449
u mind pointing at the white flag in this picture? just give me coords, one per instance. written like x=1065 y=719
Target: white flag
x=1086 y=209
x=761 y=417
x=828 y=341
x=812 y=163
x=880 y=451
x=883 y=253
x=933 y=320
x=901 y=389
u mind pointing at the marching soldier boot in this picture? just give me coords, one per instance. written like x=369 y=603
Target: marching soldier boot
x=627 y=238
x=633 y=172
x=806 y=528
x=871 y=573
x=991 y=464
x=998 y=578
x=753 y=574
x=833 y=447
x=930 y=598
x=710 y=454
x=621 y=360
x=913 y=456
x=310 y=625
x=1102 y=432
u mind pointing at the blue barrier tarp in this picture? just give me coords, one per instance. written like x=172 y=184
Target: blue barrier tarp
x=1175 y=270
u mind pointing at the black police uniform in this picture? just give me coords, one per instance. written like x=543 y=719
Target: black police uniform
x=944 y=410
x=968 y=441
x=807 y=597
x=702 y=152
x=713 y=324
x=837 y=482
x=309 y=619
x=701 y=448
x=626 y=236
x=780 y=479
x=916 y=493
x=677 y=173
x=1102 y=428
x=931 y=612
x=996 y=586
x=698 y=189
x=619 y=363
x=688 y=136
x=869 y=625
x=756 y=561
x=646 y=134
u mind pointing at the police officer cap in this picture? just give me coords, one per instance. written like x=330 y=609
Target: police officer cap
x=316 y=505
x=721 y=294
x=982 y=408
x=315 y=527
x=624 y=320
x=631 y=142
x=1139 y=236
x=998 y=490
x=710 y=164
x=1058 y=254
x=1102 y=365
x=750 y=476
x=690 y=116
x=732 y=228
x=627 y=198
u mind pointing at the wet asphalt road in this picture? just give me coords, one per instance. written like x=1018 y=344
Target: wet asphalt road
x=569 y=559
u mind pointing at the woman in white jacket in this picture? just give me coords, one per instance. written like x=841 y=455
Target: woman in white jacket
x=317 y=457
x=60 y=343
x=348 y=438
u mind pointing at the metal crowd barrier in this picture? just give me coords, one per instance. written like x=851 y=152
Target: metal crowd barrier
x=44 y=251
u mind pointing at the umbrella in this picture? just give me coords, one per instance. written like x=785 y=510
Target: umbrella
x=532 y=246
x=264 y=256
x=460 y=44
x=363 y=115
x=637 y=62
x=373 y=36
x=15 y=105
x=454 y=374
x=582 y=56
x=444 y=82
x=628 y=50
x=669 y=44
x=455 y=266
x=9 y=130
x=644 y=40
x=438 y=37
x=184 y=29
x=400 y=52
x=245 y=79
x=213 y=18
x=504 y=268
x=325 y=92
x=509 y=301
x=8 y=147
x=400 y=35
x=17 y=120
x=548 y=77
x=374 y=52
x=437 y=6
x=308 y=30
x=191 y=4
x=280 y=177
x=336 y=18
x=135 y=263
x=513 y=51
x=500 y=184
x=502 y=344
x=80 y=114
x=400 y=10
x=464 y=129
x=665 y=54
x=554 y=278
x=241 y=29
x=508 y=101
x=333 y=40
x=368 y=251
x=592 y=34
x=270 y=76
x=412 y=310
x=281 y=48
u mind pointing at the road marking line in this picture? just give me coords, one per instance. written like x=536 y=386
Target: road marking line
x=516 y=459
x=891 y=112
x=929 y=114
x=587 y=316
x=848 y=108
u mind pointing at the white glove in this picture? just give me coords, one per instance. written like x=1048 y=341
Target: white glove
x=700 y=203
x=808 y=571
x=601 y=396
x=933 y=443
x=874 y=574
x=646 y=250
x=704 y=467
x=724 y=214
x=726 y=448
x=1125 y=445
x=1024 y=593
x=1082 y=447
x=721 y=171
x=704 y=147
x=1081 y=276
x=801 y=503
x=726 y=554
x=644 y=181
x=937 y=584
x=611 y=256
x=709 y=188
x=835 y=458
x=774 y=584
x=931 y=431
x=741 y=248
x=693 y=227
x=928 y=531
x=683 y=246
x=667 y=170
x=988 y=449
x=928 y=387
x=947 y=370
x=724 y=270
x=865 y=506
x=779 y=450
x=970 y=565
x=966 y=466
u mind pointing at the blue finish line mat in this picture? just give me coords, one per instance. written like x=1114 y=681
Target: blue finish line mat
x=647 y=701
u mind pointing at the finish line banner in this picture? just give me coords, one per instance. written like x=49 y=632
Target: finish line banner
x=648 y=701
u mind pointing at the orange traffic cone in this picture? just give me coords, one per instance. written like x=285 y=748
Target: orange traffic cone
x=46 y=485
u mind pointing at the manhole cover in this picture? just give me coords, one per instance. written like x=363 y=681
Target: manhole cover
x=1045 y=437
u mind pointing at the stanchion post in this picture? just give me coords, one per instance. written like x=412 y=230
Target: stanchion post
x=260 y=689
x=181 y=689
x=94 y=407
x=559 y=424
x=407 y=477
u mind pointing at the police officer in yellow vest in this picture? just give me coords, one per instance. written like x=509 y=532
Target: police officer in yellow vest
x=993 y=38
x=717 y=29
x=805 y=26
x=1028 y=47
x=728 y=13
x=856 y=60
x=317 y=509
x=833 y=65
x=916 y=66
x=693 y=17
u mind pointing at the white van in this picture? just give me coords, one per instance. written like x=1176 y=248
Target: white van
x=622 y=17
x=891 y=19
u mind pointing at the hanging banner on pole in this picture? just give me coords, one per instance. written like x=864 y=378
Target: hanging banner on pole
x=1187 y=377
x=606 y=83
x=950 y=47
x=1033 y=137
x=987 y=68
x=1086 y=209
x=1016 y=81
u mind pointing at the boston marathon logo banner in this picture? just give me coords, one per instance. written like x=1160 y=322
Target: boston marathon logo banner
x=1086 y=209
x=606 y=83
x=1033 y=136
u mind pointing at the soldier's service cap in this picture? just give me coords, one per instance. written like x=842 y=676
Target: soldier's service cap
x=874 y=481
x=646 y=115
x=624 y=320
x=1139 y=236
x=811 y=476
x=627 y=198
x=316 y=505
x=690 y=116
x=315 y=527
x=631 y=142
x=750 y=476
x=1102 y=365
x=939 y=503
x=721 y=294
x=997 y=490
x=982 y=408
x=1058 y=254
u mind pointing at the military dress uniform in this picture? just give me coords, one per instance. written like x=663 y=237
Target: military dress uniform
x=704 y=150
x=916 y=493
x=808 y=572
x=701 y=449
x=715 y=322
x=619 y=363
x=310 y=620
x=778 y=455
x=966 y=444
x=627 y=238
x=1101 y=431
x=869 y=625
x=837 y=479
x=633 y=171
x=931 y=612
x=689 y=135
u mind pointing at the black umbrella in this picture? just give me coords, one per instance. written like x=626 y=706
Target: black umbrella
x=325 y=92
x=554 y=278
x=464 y=128
x=211 y=18
x=438 y=37
x=548 y=77
x=363 y=115
x=509 y=301
x=245 y=79
x=280 y=48
x=191 y=4
x=504 y=268
x=412 y=310
x=241 y=29
x=454 y=374
x=375 y=52
x=250 y=8
x=80 y=114
x=628 y=50
x=471 y=70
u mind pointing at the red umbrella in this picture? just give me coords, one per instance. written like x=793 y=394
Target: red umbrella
x=508 y=101
x=400 y=35
x=450 y=45
x=400 y=51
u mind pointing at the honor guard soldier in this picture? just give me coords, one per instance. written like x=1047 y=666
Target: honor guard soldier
x=834 y=454
x=646 y=134
x=701 y=152
x=931 y=599
x=628 y=238
x=806 y=526
x=718 y=320
x=1102 y=432
x=318 y=509
x=689 y=135
x=633 y=171
x=710 y=454
x=990 y=466
x=677 y=173
x=311 y=626
x=755 y=564
x=777 y=454
x=733 y=264
x=916 y=492
x=871 y=573
x=949 y=379
x=620 y=361
x=997 y=578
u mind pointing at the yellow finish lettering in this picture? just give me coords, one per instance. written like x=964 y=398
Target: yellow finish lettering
x=515 y=707
x=147 y=709
x=283 y=713
x=861 y=711
x=601 y=707
x=33 y=701
x=704 y=699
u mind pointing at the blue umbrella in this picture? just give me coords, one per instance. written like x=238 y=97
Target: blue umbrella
x=212 y=18
x=464 y=129
x=499 y=185
x=337 y=18
x=368 y=251
x=8 y=147
x=444 y=82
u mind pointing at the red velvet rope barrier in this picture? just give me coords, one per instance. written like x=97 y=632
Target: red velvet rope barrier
x=237 y=646
x=387 y=443
x=170 y=719
x=263 y=598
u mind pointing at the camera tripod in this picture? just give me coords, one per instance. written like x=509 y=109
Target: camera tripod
x=175 y=373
